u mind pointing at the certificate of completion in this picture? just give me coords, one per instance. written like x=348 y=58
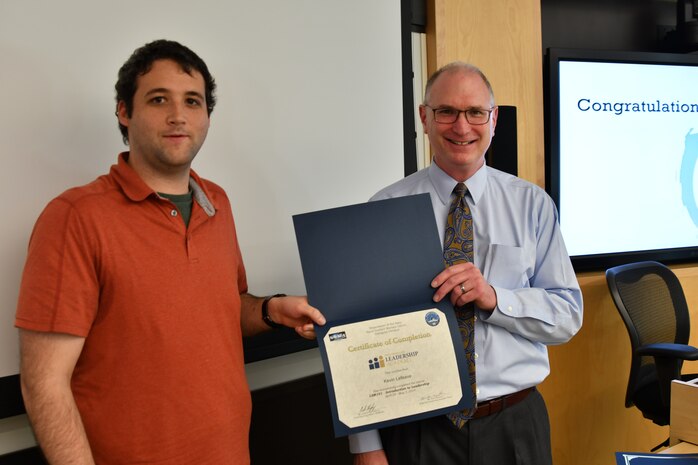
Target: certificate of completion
x=390 y=353
x=392 y=367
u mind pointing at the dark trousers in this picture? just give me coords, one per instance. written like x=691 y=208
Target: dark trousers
x=518 y=435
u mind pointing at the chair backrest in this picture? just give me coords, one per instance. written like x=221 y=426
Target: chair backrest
x=650 y=299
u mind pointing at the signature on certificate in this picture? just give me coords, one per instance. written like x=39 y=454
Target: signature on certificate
x=432 y=397
x=367 y=408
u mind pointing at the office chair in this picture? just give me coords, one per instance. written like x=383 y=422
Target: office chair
x=649 y=298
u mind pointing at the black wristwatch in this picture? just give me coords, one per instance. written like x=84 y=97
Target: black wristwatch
x=265 y=312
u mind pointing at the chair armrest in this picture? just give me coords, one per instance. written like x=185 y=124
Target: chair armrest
x=680 y=351
x=668 y=359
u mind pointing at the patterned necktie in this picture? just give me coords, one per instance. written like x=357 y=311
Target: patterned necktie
x=458 y=248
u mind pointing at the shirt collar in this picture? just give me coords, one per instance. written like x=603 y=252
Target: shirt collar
x=199 y=194
x=444 y=184
x=136 y=190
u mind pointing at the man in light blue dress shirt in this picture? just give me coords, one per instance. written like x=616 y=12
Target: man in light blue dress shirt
x=522 y=283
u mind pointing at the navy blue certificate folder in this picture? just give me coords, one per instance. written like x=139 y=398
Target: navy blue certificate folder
x=372 y=260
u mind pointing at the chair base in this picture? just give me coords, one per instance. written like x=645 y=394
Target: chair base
x=659 y=446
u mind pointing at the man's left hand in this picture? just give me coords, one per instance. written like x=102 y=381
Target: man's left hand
x=295 y=312
x=464 y=283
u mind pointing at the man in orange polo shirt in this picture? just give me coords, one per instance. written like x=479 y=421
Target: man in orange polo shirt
x=134 y=300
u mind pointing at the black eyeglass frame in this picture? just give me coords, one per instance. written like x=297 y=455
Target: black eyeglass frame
x=465 y=112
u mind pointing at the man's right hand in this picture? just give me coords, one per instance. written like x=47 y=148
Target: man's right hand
x=376 y=457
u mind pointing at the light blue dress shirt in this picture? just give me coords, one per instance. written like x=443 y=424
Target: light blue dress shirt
x=520 y=252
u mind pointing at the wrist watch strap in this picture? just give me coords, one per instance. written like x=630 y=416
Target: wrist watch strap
x=265 y=311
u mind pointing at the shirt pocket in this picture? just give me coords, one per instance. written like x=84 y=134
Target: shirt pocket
x=505 y=266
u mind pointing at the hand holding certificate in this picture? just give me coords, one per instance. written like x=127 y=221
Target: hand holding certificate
x=390 y=353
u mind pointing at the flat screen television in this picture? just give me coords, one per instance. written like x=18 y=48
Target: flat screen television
x=621 y=151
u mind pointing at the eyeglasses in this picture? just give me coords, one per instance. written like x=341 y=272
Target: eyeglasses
x=449 y=115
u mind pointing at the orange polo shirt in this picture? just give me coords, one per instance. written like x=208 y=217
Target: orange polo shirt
x=161 y=376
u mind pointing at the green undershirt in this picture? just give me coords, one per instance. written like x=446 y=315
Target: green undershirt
x=183 y=202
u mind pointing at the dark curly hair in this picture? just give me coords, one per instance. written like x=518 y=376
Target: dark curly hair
x=141 y=61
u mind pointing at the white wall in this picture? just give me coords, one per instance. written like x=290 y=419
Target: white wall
x=309 y=113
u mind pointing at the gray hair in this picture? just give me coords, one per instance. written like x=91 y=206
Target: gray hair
x=454 y=67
